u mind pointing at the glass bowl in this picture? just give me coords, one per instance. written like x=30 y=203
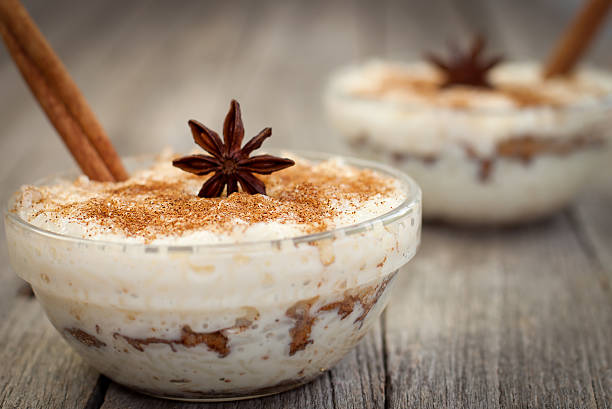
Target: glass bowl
x=478 y=165
x=218 y=322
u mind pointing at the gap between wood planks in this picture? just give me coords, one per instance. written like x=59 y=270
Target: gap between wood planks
x=96 y=399
x=385 y=356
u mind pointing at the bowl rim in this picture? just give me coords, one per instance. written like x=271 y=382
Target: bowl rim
x=335 y=90
x=408 y=206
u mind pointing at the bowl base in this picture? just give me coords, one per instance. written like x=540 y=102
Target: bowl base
x=216 y=397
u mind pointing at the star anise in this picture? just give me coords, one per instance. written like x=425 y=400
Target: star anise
x=230 y=163
x=466 y=67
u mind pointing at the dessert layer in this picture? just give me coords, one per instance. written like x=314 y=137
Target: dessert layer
x=211 y=353
x=160 y=205
x=522 y=182
x=514 y=85
x=523 y=149
x=411 y=115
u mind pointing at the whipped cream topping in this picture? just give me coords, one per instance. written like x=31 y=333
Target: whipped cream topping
x=160 y=205
x=515 y=85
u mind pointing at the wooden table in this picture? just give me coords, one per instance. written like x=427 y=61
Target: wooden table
x=517 y=317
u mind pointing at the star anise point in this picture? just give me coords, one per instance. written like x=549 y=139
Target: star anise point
x=465 y=67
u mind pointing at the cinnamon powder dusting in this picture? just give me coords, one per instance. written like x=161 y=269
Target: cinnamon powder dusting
x=429 y=88
x=162 y=201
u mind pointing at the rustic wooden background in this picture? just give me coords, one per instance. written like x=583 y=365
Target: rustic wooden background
x=517 y=317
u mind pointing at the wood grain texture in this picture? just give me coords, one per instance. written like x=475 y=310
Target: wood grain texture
x=593 y=223
x=521 y=321
x=39 y=370
x=486 y=318
x=530 y=31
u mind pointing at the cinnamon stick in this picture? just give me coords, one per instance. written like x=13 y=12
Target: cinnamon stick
x=577 y=38
x=83 y=152
x=33 y=44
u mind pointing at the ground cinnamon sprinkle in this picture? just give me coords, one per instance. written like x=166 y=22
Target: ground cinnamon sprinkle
x=522 y=96
x=164 y=202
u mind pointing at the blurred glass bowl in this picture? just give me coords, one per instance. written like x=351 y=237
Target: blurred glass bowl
x=486 y=164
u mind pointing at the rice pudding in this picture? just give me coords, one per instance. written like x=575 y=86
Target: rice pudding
x=215 y=298
x=516 y=150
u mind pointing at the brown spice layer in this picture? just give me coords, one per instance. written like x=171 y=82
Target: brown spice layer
x=85 y=338
x=216 y=341
x=365 y=296
x=527 y=147
x=524 y=148
x=522 y=96
x=305 y=318
x=303 y=194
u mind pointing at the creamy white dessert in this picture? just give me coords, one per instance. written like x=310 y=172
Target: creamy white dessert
x=190 y=298
x=510 y=153
x=160 y=205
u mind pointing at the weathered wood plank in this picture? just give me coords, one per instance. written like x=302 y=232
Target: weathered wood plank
x=315 y=394
x=416 y=27
x=38 y=369
x=32 y=146
x=177 y=76
x=437 y=348
x=530 y=31
x=476 y=19
x=564 y=316
x=592 y=220
x=358 y=381
x=512 y=318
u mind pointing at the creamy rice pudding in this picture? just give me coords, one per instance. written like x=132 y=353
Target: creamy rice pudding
x=511 y=151
x=215 y=298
